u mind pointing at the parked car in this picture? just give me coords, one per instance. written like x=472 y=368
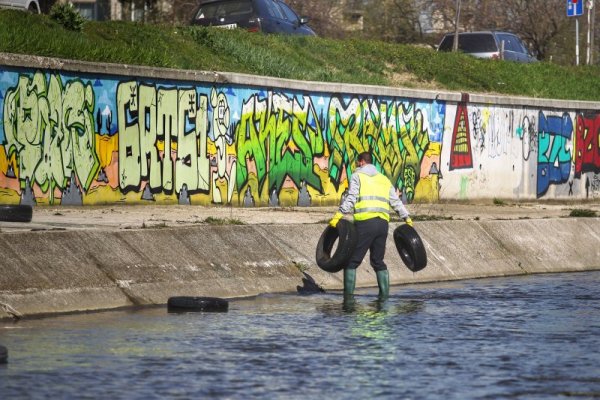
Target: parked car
x=268 y=16
x=489 y=44
x=29 y=5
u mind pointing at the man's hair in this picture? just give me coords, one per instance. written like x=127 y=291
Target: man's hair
x=366 y=157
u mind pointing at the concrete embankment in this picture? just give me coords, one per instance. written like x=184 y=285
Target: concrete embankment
x=50 y=272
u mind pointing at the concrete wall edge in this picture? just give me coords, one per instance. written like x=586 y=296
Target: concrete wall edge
x=147 y=266
x=40 y=62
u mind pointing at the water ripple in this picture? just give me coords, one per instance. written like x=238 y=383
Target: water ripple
x=533 y=337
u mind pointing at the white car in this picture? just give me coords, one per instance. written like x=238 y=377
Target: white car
x=29 y=5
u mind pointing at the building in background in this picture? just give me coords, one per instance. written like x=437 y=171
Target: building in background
x=98 y=10
x=349 y=15
x=129 y=10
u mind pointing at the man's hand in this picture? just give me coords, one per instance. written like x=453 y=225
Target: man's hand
x=408 y=221
x=336 y=218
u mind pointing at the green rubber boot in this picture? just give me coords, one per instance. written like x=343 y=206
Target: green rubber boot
x=349 y=304
x=349 y=281
x=383 y=281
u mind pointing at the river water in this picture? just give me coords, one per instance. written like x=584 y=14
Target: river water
x=531 y=337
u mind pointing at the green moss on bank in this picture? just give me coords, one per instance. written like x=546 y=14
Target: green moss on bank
x=303 y=58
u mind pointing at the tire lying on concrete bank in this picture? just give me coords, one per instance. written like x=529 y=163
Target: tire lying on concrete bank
x=15 y=213
x=189 y=304
x=345 y=234
x=3 y=355
x=410 y=247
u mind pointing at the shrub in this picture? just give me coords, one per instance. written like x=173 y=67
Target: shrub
x=221 y=221
x=68 y=16
x=582 y=212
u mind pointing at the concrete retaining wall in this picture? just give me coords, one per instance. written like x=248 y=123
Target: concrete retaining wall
x=68 y=271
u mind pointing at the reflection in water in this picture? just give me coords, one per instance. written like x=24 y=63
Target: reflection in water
x=521 y=337
x=369 y=320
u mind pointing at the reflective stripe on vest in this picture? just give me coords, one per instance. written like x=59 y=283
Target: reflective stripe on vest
x=373 y=197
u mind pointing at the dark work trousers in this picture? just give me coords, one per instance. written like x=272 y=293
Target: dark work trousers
x=372 y=235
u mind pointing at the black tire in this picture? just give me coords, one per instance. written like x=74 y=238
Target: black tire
x=345 y=234
x=410 y=247
x=188 y=304
x=15 y=213
x=3 y=355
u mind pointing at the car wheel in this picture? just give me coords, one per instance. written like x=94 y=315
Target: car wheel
x=15 y=213
x=345 y=234
x=410 y=247
x=189 y=304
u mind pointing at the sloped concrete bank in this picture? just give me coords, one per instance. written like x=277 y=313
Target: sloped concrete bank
x=69 y=271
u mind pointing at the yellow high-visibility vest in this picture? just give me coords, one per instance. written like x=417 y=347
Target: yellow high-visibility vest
x=373 y=197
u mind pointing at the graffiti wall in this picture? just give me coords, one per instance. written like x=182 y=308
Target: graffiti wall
x=75 y=139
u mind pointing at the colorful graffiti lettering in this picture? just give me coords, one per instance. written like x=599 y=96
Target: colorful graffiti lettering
x=162 y=138
x=554 y=157
x=277 y=137
x=393 y=131
x=587 y=155
x=220 y=126
x=81 y=139
x=50 y=130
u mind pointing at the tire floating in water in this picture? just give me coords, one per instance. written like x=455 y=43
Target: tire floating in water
x=3 y=355
x=410 y=247
x=345 y=234
x=194 y=304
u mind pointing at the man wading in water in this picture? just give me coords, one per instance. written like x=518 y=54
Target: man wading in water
x=371 y=196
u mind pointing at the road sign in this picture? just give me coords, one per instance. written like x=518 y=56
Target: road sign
x=574 y=8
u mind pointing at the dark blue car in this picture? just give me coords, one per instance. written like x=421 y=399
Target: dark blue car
x=268 y=16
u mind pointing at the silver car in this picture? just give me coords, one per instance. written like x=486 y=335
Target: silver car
x=29 y=5
x=489 y=44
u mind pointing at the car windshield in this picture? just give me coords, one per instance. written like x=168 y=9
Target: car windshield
x=511 y=43
x=289 y=14
x=471 y=43
x=224 y=8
